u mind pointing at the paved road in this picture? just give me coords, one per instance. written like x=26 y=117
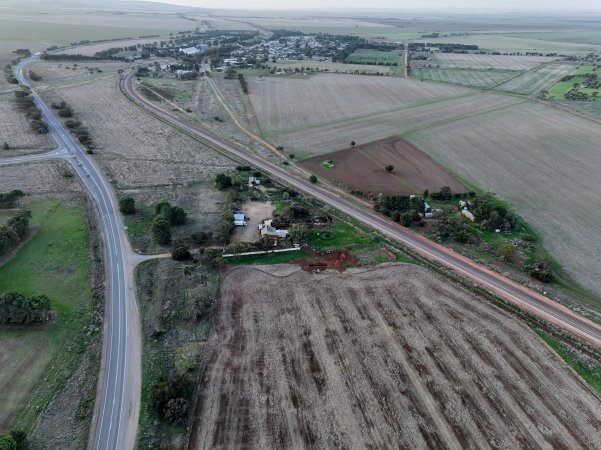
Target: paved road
x=514 y=292
x=117 y=408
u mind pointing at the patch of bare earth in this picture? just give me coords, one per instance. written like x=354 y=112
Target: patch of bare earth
x=44 y=177
x=17 y=133
x=362 y=168
x=393 y=357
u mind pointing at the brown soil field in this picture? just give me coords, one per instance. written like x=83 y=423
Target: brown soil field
x=127 y=139
x=17 y=133
x=543 y=161
x=475 y=61
x=392 y=357
x=362 y=168
x=63 y=73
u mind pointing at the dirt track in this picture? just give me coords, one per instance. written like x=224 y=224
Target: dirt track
x=391 y=357
x=363 y=168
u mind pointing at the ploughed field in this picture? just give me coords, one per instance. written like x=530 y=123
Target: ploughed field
x=362 y=168
x=379 y=358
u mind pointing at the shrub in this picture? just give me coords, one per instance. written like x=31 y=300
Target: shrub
x=313 y=179
x=178 y=216
x=406 y=219
x=161 y=230
x=222 y=181
x=127 y=205
x=508 y=251
x=6 y=146
x=180 y=254
x=7 y=442
x=541 y=270
x=200 y=237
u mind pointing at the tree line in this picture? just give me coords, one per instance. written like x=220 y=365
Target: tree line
x=26 y=103
x=14 y=231
x=15 y=308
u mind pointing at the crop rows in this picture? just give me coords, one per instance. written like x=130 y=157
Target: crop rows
x=464 y=77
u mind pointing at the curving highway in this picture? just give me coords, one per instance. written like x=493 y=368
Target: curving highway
x=513 y=292
x=116 y=409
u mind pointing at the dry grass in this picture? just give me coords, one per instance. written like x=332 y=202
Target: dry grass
x=546 y=162
x=38 y=178
x=134 y=148
x=17 y=133
x=90 y=50
x=391 y=357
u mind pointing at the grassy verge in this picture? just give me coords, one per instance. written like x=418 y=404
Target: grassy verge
x=175 y=305
x=592 y=375
x=275 y=258
x=38 y=360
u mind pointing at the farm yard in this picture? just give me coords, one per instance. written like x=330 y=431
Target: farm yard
x=362 y=168
x=478 y=78
x=574 y=85
x=293 y=365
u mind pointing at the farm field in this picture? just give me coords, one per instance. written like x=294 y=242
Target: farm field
x=583 y=37
x=532 y=82
x=507 y=44
x=324 y=113
x=478 y=78
x=363 y=168
x=476 y=61
x=60 y=74
x=62 y=28
x=293 y=365
x=543 y=161
x=377 y=57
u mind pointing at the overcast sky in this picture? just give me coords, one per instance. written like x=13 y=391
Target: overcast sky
x=532 y=5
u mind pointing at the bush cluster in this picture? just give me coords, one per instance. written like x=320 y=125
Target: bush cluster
x=14 y=231
x=26 y=103
x=166 y=216
x=17 y=309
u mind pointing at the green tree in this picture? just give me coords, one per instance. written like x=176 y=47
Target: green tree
x=178 y=216
x=7 y=442
x=406 y=219
x=222 y=181
x=445 y=193
x=291 y=155
x=389 y=168
x=127 y=205
x=161 y=230
x=298 y=233
x=20 y=438
x=313 y=179
x=426 y=194
x=353 y=143
x=200 y=237
x=180 y=254
x=6 y=146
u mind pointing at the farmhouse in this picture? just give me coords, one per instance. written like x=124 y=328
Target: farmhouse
x=253 y=181
x=268 y=231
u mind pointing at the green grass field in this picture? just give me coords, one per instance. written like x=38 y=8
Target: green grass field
x=377 y=57
x=35 y=361
x=560 y=89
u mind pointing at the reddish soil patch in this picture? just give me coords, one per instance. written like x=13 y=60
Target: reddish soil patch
x=339 y=260
x=363 y=168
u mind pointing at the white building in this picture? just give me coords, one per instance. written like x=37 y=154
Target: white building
x=189 y=51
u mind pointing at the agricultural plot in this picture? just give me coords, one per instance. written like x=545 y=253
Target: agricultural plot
x=479 y=78
x=284 y=105
x=376 y=57
x=59 y=74
x=92 y=49
x=362 y=168
x=532 y=82
x=508 y=44
x=325 y=113
x=582 y=37
x=388 y=357
x=477 y=61
x=543 y=161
